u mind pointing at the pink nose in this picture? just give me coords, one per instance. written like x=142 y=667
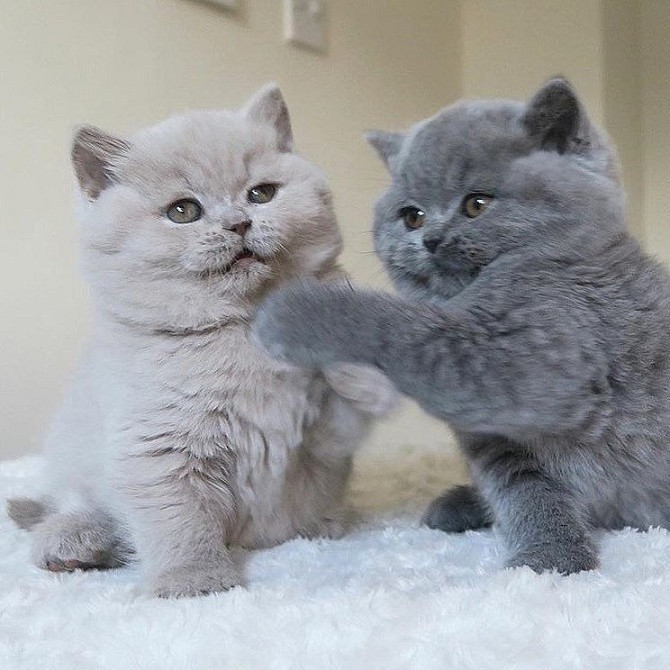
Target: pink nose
x=240 y=228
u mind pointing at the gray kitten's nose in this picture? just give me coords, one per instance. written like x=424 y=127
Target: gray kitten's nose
x=431 y=243
x=239 y=227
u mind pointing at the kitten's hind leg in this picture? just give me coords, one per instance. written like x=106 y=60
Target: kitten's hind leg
x=80 y=540
x=457 y=510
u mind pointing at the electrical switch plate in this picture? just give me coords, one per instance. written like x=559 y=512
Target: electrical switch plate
x=228 y=4
x=305 y=23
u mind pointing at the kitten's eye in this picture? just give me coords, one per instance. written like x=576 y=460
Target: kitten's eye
x=413 y=217
x=262 y=193
x=475 y=203
x=184 y=211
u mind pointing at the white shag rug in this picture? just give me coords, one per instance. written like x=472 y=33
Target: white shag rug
x=389 y=595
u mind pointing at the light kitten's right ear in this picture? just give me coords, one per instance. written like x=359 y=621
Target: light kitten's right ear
x=94 y=154
x=387 y=145
x=268 y=107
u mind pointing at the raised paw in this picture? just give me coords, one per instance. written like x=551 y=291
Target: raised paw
x=565 y=559
x=308 y=323
x=457 y=510
x=195 y=579
x=363 y=386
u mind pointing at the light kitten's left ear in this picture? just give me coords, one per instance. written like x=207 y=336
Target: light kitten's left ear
x=554 y=116
x=94 y=154
x=268 y=107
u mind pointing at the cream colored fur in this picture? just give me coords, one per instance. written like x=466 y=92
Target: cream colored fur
x=179 y=438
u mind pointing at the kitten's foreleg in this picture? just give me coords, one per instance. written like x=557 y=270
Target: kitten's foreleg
x=539 y=519
x=180 y=508
x=517 y=375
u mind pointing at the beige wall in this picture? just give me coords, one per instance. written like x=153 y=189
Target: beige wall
x=511 y=46
x=655 y=31
x=127 y=63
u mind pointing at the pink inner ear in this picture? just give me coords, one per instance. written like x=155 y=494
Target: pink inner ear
x=268 y=108
x=94 y=153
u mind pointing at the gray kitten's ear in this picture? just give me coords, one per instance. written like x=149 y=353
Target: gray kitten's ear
x=387 y=145
x=94 y=154
x=268 y=107
x=554 y=115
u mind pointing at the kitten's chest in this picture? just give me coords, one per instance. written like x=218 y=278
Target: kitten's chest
x=220 y=392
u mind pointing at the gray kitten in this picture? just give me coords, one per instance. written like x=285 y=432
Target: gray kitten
x=178 y=436
x=530 y=321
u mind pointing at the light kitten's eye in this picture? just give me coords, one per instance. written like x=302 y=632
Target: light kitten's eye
x=184 y=211
x=413 y=217
x=475 y=203
x=262 y=193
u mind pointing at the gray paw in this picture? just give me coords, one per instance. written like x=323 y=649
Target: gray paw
x=457 y=510
x=79 y=541
x=564 y=559
x=195 y=579
x=289 y=325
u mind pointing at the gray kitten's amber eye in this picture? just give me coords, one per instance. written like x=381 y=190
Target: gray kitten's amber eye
x=413 y=217
x=184 y=211
x=475 y=203
x=262 y=193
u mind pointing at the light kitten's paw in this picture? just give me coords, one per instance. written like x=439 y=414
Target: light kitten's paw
x=291 y=324
x=365 y=387
x=195 y=579
x=457 y=510
x=79 y=541
x=564 y=559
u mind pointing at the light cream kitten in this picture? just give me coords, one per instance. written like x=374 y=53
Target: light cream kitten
x=178 y=437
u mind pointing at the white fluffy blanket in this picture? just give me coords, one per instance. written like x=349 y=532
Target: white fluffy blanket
x=389 y=595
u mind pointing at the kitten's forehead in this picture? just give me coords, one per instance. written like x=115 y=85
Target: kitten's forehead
x=207 y=149
x=442 y=152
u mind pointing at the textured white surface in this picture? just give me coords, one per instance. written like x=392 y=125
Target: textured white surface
x=389 y=595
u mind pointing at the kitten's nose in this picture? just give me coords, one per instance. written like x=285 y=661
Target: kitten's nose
x=431 y=243
x=239 y=227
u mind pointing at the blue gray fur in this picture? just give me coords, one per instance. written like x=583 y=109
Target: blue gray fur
x=538 y=330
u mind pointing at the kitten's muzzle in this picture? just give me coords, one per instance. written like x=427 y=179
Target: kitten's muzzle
x=431 y=243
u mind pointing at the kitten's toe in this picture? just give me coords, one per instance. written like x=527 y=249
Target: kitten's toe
x=457 y=510
x=79 y=541
x=191 y=580
x=563 y=559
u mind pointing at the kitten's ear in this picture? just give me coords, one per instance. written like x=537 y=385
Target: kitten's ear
x=94 y=154
x=387 y=145
x=268 y=107
x=554 y=115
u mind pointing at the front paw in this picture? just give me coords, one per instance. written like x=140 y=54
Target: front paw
x=191 y=580
x=365 y=387
x=457 y=510
x=291 y=325
x=565 y=559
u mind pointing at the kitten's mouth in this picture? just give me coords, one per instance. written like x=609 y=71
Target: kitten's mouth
x=245 y=259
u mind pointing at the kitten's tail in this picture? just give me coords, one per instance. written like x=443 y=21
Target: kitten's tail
x=26 y=512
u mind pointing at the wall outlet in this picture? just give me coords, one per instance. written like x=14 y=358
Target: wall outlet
x=306 y=23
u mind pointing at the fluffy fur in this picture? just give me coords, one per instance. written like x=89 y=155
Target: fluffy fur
x=179 y=437
x=538 y=328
